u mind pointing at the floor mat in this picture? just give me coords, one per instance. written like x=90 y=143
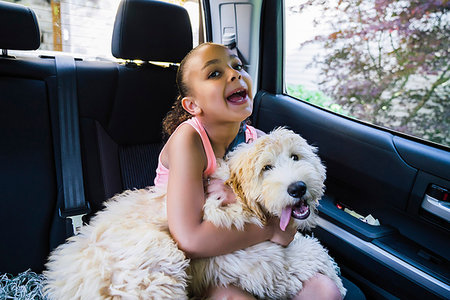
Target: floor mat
x=25 y=286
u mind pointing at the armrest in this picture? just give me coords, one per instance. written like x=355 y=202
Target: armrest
x=329 y=211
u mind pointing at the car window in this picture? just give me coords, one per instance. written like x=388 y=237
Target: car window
x=84 y=28
x=383 y=62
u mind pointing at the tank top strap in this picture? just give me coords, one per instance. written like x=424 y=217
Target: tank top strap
x=250 y=134
x=162 y=173
x=210 y=157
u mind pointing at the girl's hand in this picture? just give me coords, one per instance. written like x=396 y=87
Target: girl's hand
x=283 y=238
x=217 y=188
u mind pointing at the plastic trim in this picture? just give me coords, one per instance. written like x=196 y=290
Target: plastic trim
x=436 y=207
x=388 y=259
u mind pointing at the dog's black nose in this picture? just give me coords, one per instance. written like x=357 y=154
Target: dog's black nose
x=297 y=189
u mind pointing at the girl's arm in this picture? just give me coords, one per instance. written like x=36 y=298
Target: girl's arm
x=185 y=200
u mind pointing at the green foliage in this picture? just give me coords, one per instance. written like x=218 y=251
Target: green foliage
x=315 y=97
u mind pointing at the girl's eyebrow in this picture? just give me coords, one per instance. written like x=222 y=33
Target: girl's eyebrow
x=210 y=62
x=215 y=61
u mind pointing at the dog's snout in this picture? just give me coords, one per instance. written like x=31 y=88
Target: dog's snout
x=297 y=189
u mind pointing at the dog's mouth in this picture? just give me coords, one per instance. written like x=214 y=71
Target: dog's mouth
x=299 y=211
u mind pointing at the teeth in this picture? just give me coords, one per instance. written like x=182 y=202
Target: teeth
x=300 y=211
x=239 y=92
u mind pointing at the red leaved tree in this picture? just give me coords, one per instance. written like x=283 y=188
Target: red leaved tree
x=386 y=62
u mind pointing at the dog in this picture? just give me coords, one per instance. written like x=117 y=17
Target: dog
x=127 y=252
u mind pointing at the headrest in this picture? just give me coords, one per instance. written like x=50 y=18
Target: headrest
x=19 y=29
x=151 y=30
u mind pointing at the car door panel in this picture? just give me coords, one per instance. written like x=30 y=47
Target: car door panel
x=375 y=172
x=423 y=157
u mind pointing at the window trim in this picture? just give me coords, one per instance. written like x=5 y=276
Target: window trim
x=271 y=47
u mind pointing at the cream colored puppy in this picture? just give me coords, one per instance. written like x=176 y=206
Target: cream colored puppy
x=277 y=175
x=127 y=252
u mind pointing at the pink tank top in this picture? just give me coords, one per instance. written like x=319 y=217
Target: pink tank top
x=162 y=173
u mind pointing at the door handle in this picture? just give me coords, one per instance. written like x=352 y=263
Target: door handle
x=437 y=202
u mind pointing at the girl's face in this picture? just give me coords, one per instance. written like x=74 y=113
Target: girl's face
x=219 y=88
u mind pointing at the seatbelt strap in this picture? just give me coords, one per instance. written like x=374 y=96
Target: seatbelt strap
x=74 y=205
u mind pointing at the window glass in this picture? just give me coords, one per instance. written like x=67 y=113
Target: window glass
x=84 y=27
x=381 y=61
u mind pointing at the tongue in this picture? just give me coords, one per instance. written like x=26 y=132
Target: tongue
x=235 y=97
x=285 y=217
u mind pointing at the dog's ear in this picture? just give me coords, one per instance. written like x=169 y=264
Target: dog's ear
x=250 y=206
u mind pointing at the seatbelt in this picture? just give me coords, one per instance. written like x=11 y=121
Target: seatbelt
x=229 y=41
x=74 y=205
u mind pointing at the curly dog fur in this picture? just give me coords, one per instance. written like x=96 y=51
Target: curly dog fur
x=127 y=251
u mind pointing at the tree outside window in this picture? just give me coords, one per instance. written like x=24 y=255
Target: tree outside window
x=381 y=61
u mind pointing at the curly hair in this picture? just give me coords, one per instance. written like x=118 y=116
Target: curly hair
x=178 y=114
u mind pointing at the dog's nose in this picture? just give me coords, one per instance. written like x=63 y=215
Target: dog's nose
x=297 y=189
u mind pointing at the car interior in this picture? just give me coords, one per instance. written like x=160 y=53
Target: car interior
x=75 y=133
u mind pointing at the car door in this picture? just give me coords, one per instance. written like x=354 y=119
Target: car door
x=401 y=181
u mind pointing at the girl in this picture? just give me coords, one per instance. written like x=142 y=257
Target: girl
x=215 y=98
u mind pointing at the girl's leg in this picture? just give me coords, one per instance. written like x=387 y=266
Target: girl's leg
x=319 y=287
x=228 y=293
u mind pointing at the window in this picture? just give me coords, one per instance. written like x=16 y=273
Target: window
x=84 y=28
x=381 y=61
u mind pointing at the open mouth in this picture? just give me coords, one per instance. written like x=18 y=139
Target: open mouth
x=238 y=96
x=299 y=211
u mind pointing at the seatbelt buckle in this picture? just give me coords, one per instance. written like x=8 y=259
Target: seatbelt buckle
x=77 y=223
x=76 y=218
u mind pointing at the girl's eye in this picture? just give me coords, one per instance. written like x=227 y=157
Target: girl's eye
x=214 y=74
x=267 y=167
x=294 y=157
x=238 y=67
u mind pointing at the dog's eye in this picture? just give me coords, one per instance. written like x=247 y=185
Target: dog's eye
x=267 y=167
x=294 y=157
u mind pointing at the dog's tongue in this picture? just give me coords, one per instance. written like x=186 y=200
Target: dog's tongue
x=285 y=217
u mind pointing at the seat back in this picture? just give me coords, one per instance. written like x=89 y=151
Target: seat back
x=28 y=176
x=122 y=105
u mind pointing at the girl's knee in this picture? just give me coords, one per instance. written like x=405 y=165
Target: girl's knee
x=228 y=293
x=319 y=287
